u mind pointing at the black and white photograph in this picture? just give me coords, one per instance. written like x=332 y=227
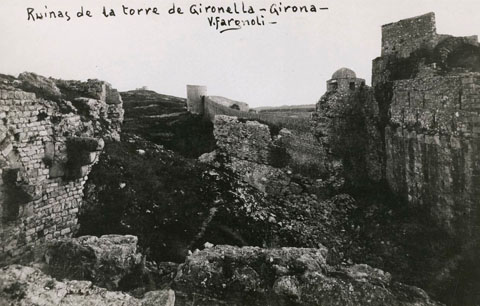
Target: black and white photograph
x=239 y=153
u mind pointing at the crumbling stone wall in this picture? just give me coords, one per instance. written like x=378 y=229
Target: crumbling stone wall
x=268 y=162
x=346 y=124
x=432 y=144
x=293 y=135
x=248 y=148
x=428 y=97
x=212 y=108
x=429 y=104
x=403 y=37
x=306 y=153
x=47 y=148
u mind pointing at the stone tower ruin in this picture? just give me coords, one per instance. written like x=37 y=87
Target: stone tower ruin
x=195 y=99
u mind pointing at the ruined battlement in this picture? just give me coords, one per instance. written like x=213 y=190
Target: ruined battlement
x=405 y=36
x=48 y=145
x=429 y=105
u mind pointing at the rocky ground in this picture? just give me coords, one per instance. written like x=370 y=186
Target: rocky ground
x=75 y=272
x=236 y=226
x=208 y=202
x=80 y=272
x=227 y=275
x=201 y=203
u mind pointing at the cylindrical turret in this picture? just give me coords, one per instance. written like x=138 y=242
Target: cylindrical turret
x=195 y=96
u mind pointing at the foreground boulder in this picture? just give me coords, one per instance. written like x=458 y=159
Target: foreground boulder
x=227 y=275
x=104 y=261
x=26 y=286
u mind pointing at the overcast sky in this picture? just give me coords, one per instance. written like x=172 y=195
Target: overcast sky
x=282 y=64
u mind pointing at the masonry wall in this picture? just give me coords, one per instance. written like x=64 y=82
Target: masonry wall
x=47 y=149
x=439 y=173
x=432 y=145
x=307 y=154
x=242 y=106
x=212 y=108
x=294 y=135
x=438 y=104
x=430 y=116
x=195 y=96
x=403 y=37
x=344 y=84
x=346 y=125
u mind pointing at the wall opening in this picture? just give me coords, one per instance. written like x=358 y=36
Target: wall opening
x=460 y=99
x=14 y=195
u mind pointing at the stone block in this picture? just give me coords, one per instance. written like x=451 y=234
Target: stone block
x=57 y=170
x=6 y=147
x=65 y=231
x=49 y=150
x=103 y=260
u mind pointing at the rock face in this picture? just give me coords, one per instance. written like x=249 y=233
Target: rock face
x=226 y=275
x=104 y=261
x=51 y=133
x=25 y=286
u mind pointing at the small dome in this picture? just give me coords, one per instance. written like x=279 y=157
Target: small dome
x=344 y=73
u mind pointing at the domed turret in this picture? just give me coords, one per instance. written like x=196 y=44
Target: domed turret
x=344 y=80
x=344 y=73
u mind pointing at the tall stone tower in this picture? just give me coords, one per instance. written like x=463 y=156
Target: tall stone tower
x=195 y=102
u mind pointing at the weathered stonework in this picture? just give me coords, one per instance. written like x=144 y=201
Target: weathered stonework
x=104 y=260
x=228 y=275
x=26 y=286
x=403 y=37
x=429 y=102
x=47 y=148
x=248 y=146
x=248 y=141
x=431 y=144
x=305 y=151
x=344 y=80
x=346 y=125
